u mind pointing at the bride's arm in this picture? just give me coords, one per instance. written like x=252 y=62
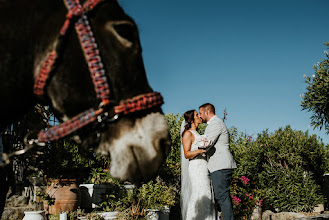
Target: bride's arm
x=188 y=139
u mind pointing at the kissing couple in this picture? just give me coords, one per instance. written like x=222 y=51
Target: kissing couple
x=206 y=164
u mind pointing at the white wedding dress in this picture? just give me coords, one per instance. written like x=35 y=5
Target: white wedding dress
x=201 y=205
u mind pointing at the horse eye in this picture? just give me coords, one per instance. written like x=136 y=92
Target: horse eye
x=126 y=31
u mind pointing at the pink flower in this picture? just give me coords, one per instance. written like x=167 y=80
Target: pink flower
x=236 y=200
x=260 y=202
x=244 y=179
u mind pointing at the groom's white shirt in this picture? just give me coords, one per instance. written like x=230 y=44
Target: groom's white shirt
x=219 y=154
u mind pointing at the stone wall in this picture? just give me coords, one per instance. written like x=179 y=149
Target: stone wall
x=26 y=200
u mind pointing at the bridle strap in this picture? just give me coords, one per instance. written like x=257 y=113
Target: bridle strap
x=88 y=45
x=143 y=102
x=138 y=103
x=92 y=57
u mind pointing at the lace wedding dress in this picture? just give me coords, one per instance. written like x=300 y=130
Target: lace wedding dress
x=200 y=205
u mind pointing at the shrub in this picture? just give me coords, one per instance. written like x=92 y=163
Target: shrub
x=101 y=176
x=114 y=197
x=286 y=166
x=290 y=189
x=283 y=163
x=244 y=197
x=170 y=170
x=66 y=158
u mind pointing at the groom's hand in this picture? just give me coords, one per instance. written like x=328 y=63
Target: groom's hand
x=209 y=146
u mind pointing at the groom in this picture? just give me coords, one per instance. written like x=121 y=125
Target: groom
x=221 y=162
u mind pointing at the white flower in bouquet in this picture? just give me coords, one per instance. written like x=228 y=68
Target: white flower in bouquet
x=203 y=142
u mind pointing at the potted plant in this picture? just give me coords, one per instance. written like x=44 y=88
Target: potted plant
x=113 y=200
x=98 y=183
x=60 y=195
x=147 y=201
x=156 y=198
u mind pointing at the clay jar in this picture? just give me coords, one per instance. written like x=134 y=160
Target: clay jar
x=66 y=193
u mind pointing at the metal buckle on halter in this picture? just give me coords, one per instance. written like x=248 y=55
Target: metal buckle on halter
x=105 y=117
x=104 y=113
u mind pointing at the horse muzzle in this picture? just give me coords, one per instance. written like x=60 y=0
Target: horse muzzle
x=138 y=147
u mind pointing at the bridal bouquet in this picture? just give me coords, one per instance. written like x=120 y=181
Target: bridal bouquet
x=203 y=143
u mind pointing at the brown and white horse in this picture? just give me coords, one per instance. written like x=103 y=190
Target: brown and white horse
x=137 y=142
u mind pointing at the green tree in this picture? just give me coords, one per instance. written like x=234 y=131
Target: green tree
x=316 y=99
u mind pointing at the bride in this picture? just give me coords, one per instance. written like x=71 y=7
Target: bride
x=196 y=194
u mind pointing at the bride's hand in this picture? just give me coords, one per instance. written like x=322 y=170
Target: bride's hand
x=201 y=151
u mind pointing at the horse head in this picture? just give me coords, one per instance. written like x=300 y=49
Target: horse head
x=137 y=142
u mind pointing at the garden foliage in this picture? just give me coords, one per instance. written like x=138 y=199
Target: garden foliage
x=280 y=170
x=151 y=195
x=244 y=197
x=284 y=169
x=67 y=159
x=286 y=166
x=171 y=168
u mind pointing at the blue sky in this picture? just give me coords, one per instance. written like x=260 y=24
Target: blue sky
x=246 y=56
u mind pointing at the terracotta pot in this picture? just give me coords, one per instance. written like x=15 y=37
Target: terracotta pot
x=67 y=196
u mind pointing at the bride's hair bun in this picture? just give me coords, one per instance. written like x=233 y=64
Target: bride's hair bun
x=189 y=119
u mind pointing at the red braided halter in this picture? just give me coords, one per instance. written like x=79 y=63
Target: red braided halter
x=97 y=71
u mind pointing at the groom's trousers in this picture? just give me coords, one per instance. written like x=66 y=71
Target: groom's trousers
x=221 y=180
